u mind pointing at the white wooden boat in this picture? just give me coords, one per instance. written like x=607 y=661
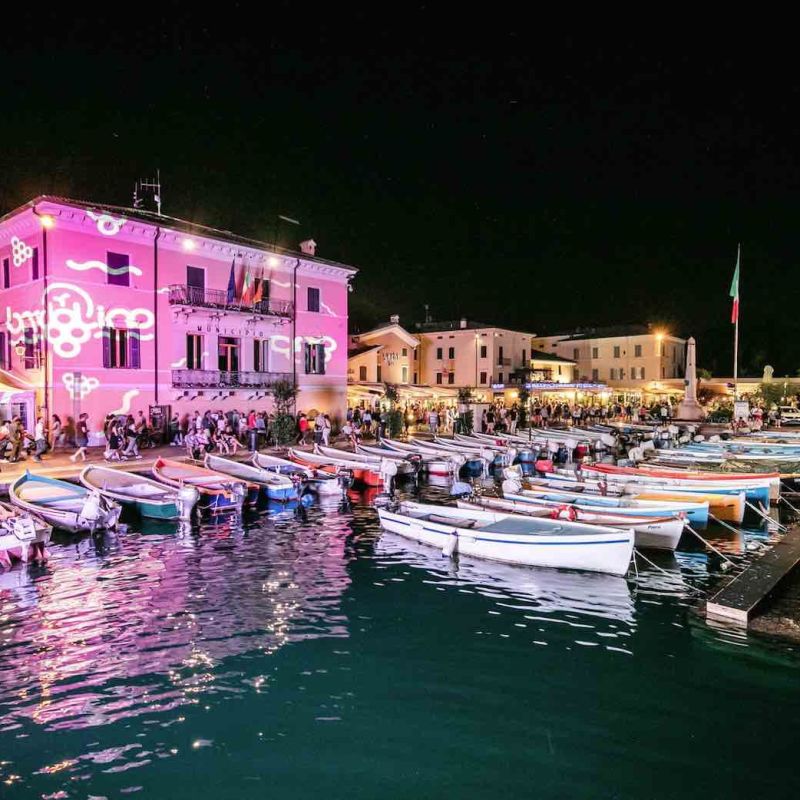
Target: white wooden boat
x=368 y=474
x=403 y=466
x=316 y=480
x=514 y=540
x=23 y=537
x=278 y=487
x=661 y=533
x=150 y=498
x=64 y=505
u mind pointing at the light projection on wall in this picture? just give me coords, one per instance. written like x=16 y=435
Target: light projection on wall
x=106 y=224
x=74 y=319
x=80 y=388
x=84 y=266
x=281 y=344
x=125 y=408
x=20 y=252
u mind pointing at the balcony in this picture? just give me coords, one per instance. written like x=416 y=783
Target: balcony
x=182 y=295
x=217 y=379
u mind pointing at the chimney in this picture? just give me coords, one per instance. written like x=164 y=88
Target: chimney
x=463 y=322
x=395 y=319
x=309 y=247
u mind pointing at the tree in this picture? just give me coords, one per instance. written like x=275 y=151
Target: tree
x=704 y=374
x=522 y=413
x=774 y=392
x=284 y=425
x=391 y=397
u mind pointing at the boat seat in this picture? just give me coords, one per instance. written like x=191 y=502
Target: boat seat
x=456 y=523
x=33 y=497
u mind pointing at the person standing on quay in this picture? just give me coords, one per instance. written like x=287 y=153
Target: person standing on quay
x=40 y=439
x=81 y=438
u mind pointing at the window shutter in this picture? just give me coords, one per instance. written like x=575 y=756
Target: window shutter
x=35 y=264
x=308 y=358
x=133 y=336
x=106 y=348
x=320 y=359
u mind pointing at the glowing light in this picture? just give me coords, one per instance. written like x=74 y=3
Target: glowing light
x=20 y=252
x=84 y=266
x=80 y=388
x=273 y=261
x=106 y=224
x=46 y=221
x=188 y=244
x=126 y=402
x=659 y=335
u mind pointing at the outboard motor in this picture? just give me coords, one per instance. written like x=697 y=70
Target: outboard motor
x=460 y=489
x=92 y=512
x=186 y=500
x=415 y=459
x=346 y=479
x=511 y=486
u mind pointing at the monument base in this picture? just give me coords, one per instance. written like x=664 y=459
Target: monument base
x=690 y=410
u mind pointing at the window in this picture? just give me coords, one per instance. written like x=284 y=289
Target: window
x=405 y=352
x=637 y=351
x=613 y=375
x=595 y=352
x=559 y=369
x=500 y=357
x=663 y=373
x=313 y=299
x=261 y=355
x=524 y=352
x=378 y=371
x=362 y=373
x=404 y=374
x=483 y=351
x=121 y=348
x=595 y=376
x=439 y=353
x=315 y=359
x=621 y=374
x=33 y=349
x=4 y=360
x=118 y=272
x=483 y=377
x=641 y=372
x=6 y=274
x=451 y=352
x=415 y=378
x=228 y=354
x=616 y=351
x=415 y=356
x=451 y=377
x=499 y=377
x=194 y=351
x=35 y=264
x=576 y=353
x=674 y=353
x=438 y=377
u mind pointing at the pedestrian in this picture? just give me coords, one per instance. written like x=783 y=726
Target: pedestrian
x=55 y=432
x=326 y=429
x=40 y=439
x=433 y=420
x=81 y=438
x=302 y=428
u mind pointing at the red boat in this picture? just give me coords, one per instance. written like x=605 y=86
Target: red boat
x=361 y=473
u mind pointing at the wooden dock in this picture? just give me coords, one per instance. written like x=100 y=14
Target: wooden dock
x=738 y=601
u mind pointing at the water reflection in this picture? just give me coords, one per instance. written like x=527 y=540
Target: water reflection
x=111 y=610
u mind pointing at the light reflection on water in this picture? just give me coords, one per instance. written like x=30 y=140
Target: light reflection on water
x=120 y=636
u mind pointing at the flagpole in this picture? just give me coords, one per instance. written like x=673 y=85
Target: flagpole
x=736 y=332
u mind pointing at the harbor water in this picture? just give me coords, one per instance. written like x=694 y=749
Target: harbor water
x=289 y=655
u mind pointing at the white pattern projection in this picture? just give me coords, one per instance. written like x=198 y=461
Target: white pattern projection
x=281 y=344
x=74 y=319
x=125 y=408
x=106 y=224
x=80 y=388
x=84 y=266
x=20 y=252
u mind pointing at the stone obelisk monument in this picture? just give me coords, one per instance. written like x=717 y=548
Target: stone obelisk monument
x=689 y=408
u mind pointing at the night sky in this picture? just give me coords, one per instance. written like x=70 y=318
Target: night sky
x=512 y=171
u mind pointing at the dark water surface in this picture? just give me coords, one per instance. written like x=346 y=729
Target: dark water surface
x=280 y=658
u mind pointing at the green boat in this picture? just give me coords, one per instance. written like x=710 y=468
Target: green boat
x=150 y=498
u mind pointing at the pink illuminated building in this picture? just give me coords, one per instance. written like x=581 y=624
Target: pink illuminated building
x=115 y=310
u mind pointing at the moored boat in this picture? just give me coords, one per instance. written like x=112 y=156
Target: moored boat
x=513 y=540
x=217 y=492
x=319 y=482
x=148 y=497
x=23 y=537
x=364 y=473
x=64 y=505
x=277 y=487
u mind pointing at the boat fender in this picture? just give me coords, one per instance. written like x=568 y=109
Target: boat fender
x=451 y=545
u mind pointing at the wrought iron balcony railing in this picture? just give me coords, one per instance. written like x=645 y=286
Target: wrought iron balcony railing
x=182 y=295
x=214 y=378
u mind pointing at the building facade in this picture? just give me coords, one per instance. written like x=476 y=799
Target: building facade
x=114 y=310
x=631 y=359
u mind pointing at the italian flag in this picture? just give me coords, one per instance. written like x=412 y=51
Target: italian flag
x=247 y=286
x=735 y=288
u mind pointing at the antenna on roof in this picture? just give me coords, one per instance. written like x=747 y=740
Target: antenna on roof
x=142 y=188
